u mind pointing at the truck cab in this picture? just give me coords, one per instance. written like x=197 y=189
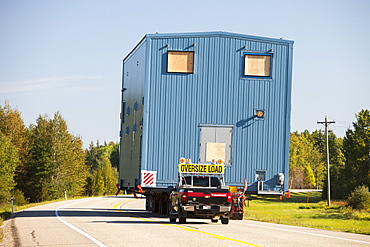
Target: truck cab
x=200 y=193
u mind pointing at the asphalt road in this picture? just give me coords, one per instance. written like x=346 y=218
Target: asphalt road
x=123 y=221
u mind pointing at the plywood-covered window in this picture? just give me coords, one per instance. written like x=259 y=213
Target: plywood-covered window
x=180 y=62
x=215 y=151
x=257 y=65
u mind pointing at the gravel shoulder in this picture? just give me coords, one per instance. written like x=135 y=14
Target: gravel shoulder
x=10 y=238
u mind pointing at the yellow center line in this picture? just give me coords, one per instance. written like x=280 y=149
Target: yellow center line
x=122 y=202
x=211 y=234
x=181 y=227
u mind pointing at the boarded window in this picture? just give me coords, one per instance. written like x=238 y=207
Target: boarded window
x=257 y=65
x=215 y=143
x=180 y=62
x=215 y=151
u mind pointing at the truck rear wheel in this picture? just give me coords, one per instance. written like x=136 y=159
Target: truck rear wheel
x=214 y=220
x=224 y=220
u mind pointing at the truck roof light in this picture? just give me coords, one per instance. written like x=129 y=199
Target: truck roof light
x=182 y=160
x=220 y=161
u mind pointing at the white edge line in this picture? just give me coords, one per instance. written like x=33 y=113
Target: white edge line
x=75 y=228
x=316 y=234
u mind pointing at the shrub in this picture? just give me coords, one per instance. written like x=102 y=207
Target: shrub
x=359 y=198
x=19 y=198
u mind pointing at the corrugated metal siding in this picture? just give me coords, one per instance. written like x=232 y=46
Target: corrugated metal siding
x=133 y=78
x=218 y=94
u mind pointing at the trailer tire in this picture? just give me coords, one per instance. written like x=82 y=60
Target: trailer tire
x=148 y=203
x=182 y=220
x=214 y=220
x=172 y=219
x=224 y=220
x=240 y=216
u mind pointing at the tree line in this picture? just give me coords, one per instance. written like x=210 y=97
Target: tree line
x=349 y=159
x=44 y=161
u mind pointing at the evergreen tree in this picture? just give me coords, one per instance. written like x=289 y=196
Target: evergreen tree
x=114 y=157
x=40 y=166
x=336 y=160
x=103 y=176
x=356 y=148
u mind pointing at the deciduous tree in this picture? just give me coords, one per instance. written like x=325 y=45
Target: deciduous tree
x=8 y=163
x=305 y=161
x=58 y=160
x=12 y=126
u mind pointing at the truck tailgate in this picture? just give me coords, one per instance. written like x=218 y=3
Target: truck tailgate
x=207 y=196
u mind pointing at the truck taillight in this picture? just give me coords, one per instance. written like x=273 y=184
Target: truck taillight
x=228 y=197
x=184 y=196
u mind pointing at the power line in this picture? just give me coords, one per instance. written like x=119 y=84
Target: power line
x=342 y=124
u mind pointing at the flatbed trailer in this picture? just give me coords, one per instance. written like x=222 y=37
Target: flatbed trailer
x=157 y=198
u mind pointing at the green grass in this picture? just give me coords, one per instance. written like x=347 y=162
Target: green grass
x=308 y=210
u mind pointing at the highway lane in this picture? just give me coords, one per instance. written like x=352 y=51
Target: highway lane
x=123 y=221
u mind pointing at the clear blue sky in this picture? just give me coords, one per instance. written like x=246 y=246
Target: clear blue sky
x=67 y=55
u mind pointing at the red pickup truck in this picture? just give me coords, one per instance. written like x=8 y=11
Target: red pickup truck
x=201 y=195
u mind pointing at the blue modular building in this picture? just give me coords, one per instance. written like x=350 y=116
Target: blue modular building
x=205 y=96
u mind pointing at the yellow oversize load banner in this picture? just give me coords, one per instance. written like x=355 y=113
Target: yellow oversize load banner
x=201 y=168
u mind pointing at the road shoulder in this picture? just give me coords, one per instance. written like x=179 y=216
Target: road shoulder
x=10 y=237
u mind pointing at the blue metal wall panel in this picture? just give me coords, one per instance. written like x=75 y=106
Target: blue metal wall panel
x=133 y=78
x=217 y=93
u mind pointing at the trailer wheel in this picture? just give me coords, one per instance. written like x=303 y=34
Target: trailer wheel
x=224 y=220
x=182 y=220
x=214 y=220
x=172 y=219
x=148 y=203
x=241 y=216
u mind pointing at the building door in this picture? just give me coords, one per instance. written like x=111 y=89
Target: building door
x=215 y=143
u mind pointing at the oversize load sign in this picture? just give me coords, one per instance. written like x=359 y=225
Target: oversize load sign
x=201 y=168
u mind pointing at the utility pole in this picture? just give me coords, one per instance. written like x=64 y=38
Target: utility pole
x=326 y=124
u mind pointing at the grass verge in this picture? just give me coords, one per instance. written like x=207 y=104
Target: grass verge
x=308 y=210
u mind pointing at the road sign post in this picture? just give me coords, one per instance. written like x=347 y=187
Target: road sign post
x=12 y=200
